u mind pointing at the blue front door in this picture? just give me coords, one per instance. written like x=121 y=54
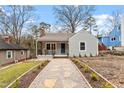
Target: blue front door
x=62 y=48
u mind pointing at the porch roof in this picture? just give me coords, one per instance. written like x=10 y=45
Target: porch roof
x=56 y=37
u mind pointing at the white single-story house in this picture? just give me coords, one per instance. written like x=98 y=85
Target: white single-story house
x=72 y=44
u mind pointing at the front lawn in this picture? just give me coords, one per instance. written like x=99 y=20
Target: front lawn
x=9 y=74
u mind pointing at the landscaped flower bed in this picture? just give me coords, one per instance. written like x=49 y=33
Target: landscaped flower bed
x=94 y=78
x=10 y=74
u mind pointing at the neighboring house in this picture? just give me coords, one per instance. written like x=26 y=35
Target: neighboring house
x=10 y=52
x=115 y=38
x=72 y=44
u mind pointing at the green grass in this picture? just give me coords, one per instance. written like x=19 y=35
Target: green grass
x=9 y=74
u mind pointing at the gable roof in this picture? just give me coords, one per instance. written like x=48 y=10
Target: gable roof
x=56 y=37
x=84 y=33
x=11 y=46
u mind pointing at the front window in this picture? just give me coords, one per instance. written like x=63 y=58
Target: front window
x=22 y=52
x=48 y=47
x=8 y=54
x=82 y=45
x=53 y=46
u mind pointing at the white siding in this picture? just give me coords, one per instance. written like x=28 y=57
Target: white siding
x=90 y=41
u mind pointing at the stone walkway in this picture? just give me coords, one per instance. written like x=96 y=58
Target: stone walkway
x=59 y=73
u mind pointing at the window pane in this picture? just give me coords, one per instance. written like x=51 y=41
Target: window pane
x=82 y=46
x=48 y=46
x=9 y=54
x=22 y=52
x=53 y=46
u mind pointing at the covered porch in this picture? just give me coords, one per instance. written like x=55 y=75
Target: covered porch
x=54 y=48
x=54 y=44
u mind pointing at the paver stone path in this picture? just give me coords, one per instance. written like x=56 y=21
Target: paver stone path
x=59 y=73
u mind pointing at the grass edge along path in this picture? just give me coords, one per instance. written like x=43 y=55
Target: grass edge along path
x=10 y=74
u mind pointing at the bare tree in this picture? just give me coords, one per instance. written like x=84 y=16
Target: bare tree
x=114 y=21
x=72 y=16
x=15 y=20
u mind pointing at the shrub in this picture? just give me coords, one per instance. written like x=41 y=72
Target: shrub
x=91 y=55
x=79 y=65
x=80 y=55
x=74 y=60
x=46 y=61
x=82 y=66
x=43 y=64
x=101 y=55
x=67 y=54
x=39 y=67
x=77 y=62
x=74 y=56
x=106 y=85
x=34 y=70
x=94 y=76
x=53 y=53
x=15 y=84
x=85 y=55
x=86 y=69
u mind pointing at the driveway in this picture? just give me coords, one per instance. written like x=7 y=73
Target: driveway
x=60 y=73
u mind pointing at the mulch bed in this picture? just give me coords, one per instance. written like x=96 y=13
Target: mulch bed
x=26 y=80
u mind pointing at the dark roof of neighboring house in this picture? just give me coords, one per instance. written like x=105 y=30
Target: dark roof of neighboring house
x=56 y=37
x=11 y=46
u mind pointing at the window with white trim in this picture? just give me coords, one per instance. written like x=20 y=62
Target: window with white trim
x=82 y=45
x=50 y=46
x=8 y=54
x=22 y=52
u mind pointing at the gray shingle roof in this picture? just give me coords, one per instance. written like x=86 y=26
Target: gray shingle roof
x=11 y=46
x=56 y=37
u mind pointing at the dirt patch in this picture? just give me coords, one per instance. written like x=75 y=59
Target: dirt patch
x=110 y=66
x=93 y=78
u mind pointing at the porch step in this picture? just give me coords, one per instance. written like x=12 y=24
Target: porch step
x=60 y=56
x=44 y=57
x=49 y=57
